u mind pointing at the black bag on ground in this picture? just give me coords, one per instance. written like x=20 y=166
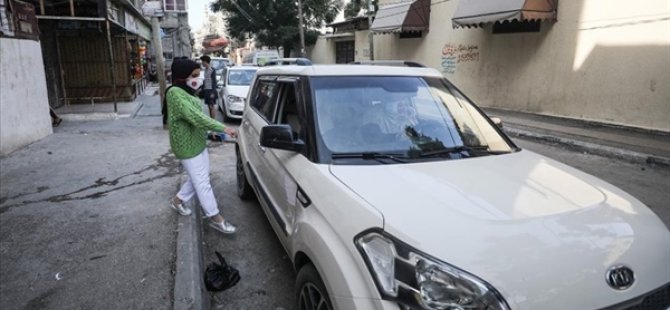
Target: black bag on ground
x=219 y=277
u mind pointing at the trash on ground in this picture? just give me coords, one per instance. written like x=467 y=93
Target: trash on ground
x=219 y=277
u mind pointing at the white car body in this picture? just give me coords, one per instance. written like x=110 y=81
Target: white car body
x=537 y=233
x=232 y=97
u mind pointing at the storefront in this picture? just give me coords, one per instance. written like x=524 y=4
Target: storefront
x=96 y=53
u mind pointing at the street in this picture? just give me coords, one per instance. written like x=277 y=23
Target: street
x=84 y=222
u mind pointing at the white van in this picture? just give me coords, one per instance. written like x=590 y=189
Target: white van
x=259 y=58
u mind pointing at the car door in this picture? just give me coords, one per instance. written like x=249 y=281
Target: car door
x=282 y=186
x=263 y=104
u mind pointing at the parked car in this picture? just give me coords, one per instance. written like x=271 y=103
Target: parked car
x=390 y=189
x=289 y=61
x=219 y=64
x=233 y=90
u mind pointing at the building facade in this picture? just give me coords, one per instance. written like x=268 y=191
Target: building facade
x=606 y=61
x=176 y=34
x=24 y=104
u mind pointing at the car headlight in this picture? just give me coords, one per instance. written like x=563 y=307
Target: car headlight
x=418 y=281
x=233 y=99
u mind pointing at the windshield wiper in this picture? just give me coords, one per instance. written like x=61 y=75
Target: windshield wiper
x=370 y=155
x=471 y=150
x=448 y=150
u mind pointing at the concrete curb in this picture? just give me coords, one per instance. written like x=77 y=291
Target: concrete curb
x=98 y=116
x=596 y=149
x=189 y=291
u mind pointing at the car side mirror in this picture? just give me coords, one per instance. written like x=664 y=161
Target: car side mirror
x=497 y=121
x=280 y=137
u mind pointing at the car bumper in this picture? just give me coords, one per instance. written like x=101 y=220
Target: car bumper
x=235 y=110
x=363 y=303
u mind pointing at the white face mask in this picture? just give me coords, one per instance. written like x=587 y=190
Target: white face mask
x=194 y=83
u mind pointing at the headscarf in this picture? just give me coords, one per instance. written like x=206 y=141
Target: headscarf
x=181 y=69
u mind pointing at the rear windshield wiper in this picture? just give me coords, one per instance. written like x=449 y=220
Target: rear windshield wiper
x=370 y=155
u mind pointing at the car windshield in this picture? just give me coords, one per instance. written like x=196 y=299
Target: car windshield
x=409 y=117
x=240 y=77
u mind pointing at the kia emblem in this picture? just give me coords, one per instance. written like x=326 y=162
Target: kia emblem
x=620 y=277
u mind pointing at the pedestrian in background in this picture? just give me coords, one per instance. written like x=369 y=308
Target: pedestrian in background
x=188 y=130
x=209 y=87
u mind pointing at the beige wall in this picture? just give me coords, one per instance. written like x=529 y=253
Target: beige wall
x=24 y=104
x=362 y=46
x=322 y=52
x=604 y=60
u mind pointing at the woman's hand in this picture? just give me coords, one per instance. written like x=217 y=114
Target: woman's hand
x=230 y=131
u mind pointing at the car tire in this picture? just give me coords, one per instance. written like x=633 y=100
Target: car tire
x=244 y=190
x=311 y=293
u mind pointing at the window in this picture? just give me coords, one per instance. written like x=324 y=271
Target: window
x=288 y=109
x=175 y=5
x=410 y=34
x=264 y=100
x=516 y=26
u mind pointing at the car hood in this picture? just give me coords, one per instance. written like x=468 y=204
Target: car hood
x=239 y=91
x=537 y=230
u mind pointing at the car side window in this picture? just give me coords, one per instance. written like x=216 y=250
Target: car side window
x=288 y=109
x=264 y=100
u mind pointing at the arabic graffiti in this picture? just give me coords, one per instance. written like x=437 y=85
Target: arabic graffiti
x=453 y=54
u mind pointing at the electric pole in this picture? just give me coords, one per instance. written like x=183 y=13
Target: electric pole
x=371 y=10
x=158 y=48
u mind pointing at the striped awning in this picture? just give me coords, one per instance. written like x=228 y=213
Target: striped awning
x=403 y=16
x=473 y=13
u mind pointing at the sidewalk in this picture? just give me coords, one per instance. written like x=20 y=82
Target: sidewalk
x=626 y=143
x=105 y=111
x=188 y=291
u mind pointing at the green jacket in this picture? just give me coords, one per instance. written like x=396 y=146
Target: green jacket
x=188 y=125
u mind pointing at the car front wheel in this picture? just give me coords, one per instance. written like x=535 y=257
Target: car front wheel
x=310 y=291
x=244 y=190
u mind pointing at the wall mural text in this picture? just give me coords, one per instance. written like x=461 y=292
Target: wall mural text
x=453 y=54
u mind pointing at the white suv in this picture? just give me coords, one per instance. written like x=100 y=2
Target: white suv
x=390 y=189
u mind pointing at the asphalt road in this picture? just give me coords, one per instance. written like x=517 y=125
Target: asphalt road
x=267 y=276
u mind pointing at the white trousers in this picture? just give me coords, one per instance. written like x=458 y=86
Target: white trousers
x=197 y=183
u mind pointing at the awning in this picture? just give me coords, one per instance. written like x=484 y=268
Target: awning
x=404 y=16
x=473 y=13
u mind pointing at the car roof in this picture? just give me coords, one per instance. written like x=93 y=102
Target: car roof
x=243 y=68
x=348 y=70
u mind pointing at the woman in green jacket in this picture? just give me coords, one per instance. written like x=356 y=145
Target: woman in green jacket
x=188 y=130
